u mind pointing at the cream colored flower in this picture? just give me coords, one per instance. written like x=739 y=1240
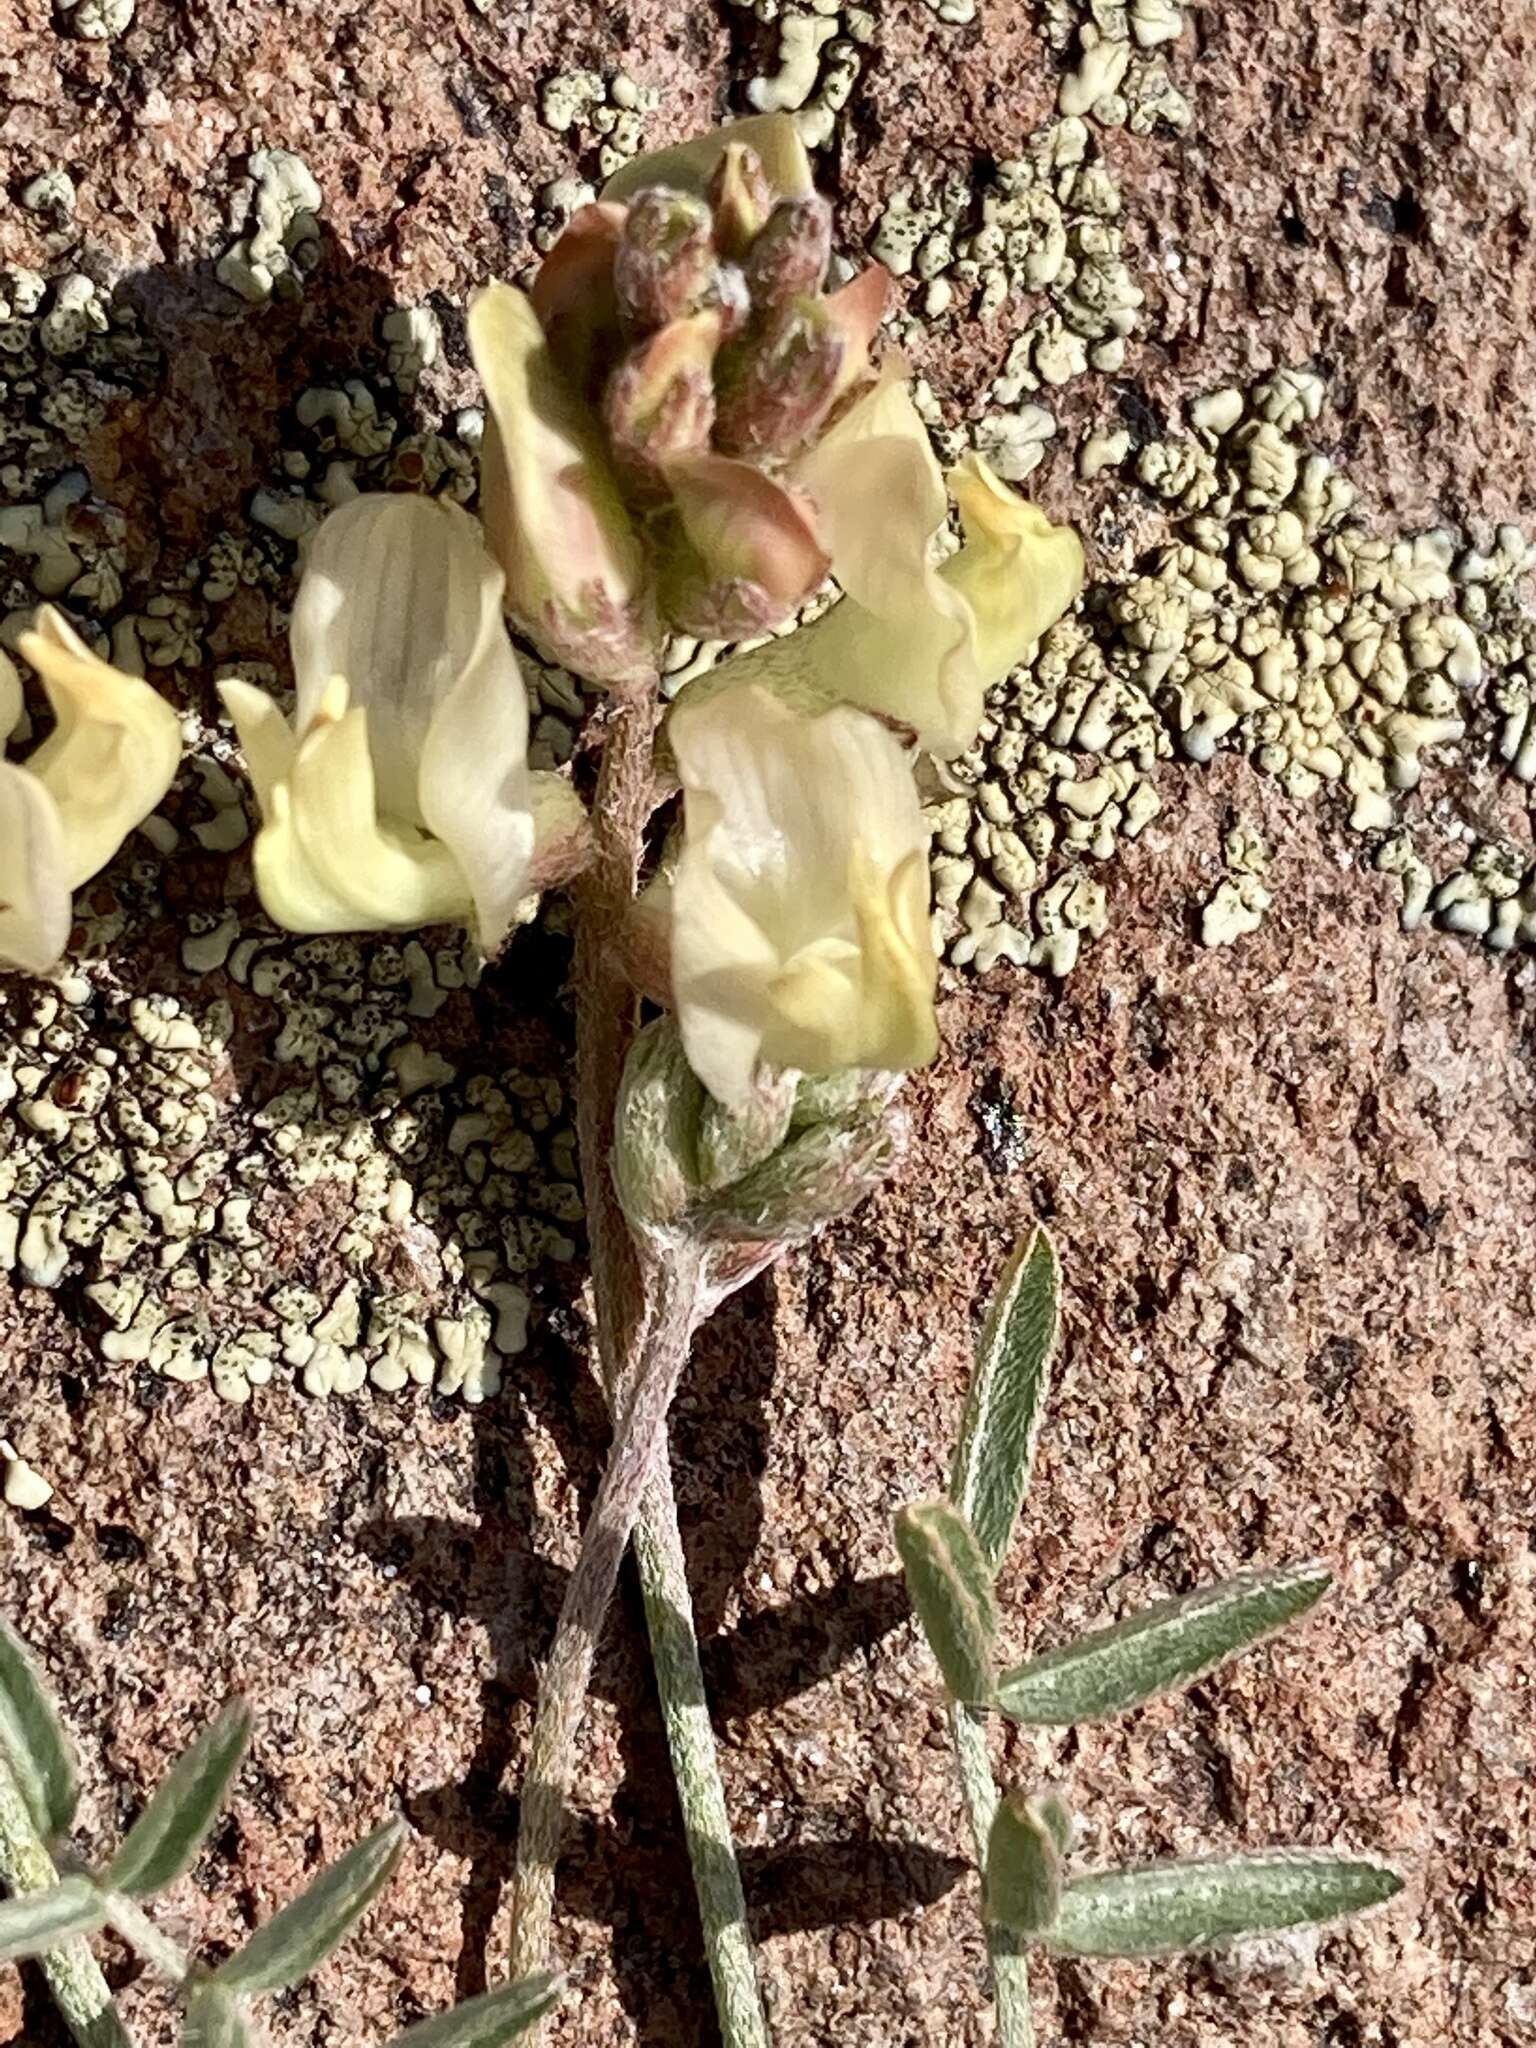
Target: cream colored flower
x=576 y=574
x=109 y=760
x=800 y=900
x=917 y=641
x=401 y=795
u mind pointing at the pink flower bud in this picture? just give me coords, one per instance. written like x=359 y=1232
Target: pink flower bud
x=665 y=262
x=741 y=196
x=660 y=402
x=776 y=386
x=790 y=256
x=856 y=311
x=576 y=576
x=573 y=292
x=748 y=553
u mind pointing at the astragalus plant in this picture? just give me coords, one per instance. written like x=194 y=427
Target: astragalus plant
x=686 y=430
x=950 y=1550
x=57 y=1902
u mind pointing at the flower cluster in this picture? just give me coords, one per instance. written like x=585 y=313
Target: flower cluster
x=653 y=396
x=685 y=429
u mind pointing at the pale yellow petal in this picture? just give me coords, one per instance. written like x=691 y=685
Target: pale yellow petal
x=265 y=737
x=913 y=662
x=725 y=954
x=884 y=815
x=293 y=891
x=815 y=1023
x=396 y=595
x=323 y=860
x=114 y=749
x=885 y=412
x=35 y=911
x=795 y=938
x=902 y=642
x=474 y=781
x=1017 y=572
x=394 y=876
x=575 y=570
x=899 y=1029
x=11 y=705
x=689 y=166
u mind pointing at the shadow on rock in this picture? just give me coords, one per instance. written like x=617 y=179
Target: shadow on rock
x=630 y=1872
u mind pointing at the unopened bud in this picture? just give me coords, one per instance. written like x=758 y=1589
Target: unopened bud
x=770 y=1171
x=577 y=578
x=573 y=294
x=665 y=262
x=814 y=1177
x=856 y=311
x=789 y=258
x=744 y=551
x=776 y=386
x=734 y=1141
x=741 y=197
x=854 y=1095
x=660 y=402
x=655 y=1131
x=727 y=295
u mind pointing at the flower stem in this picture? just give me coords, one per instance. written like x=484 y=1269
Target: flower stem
x=639 y=1434
x=636 y=1322
x=696 y=1767
x=71 y=1972
x=1010 y=1967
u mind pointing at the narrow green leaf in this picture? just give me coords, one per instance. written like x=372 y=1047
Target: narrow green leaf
x=1006 y=1402
x=1023 y=1866
x=1167 y=1644
x=489 y=2021
x=303 y=1934
x=167 y=1835
x=1172 y=1908
x=37 y=1921
x=32 y=1740
x=951 y=1588
x=213 y=2021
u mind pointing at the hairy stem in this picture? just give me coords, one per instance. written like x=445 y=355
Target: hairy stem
x=628 y=1327
x=1010 y=1967
x=696 y=1767
x=639 y=1434
x=605 y=1018
x=71 y=1972
x=127 y=1918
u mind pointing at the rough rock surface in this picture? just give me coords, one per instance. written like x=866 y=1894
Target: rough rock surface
x=1293 y=1181
x=1356 y=191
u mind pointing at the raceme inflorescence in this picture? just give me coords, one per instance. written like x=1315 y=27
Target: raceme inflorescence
x=686 y=431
